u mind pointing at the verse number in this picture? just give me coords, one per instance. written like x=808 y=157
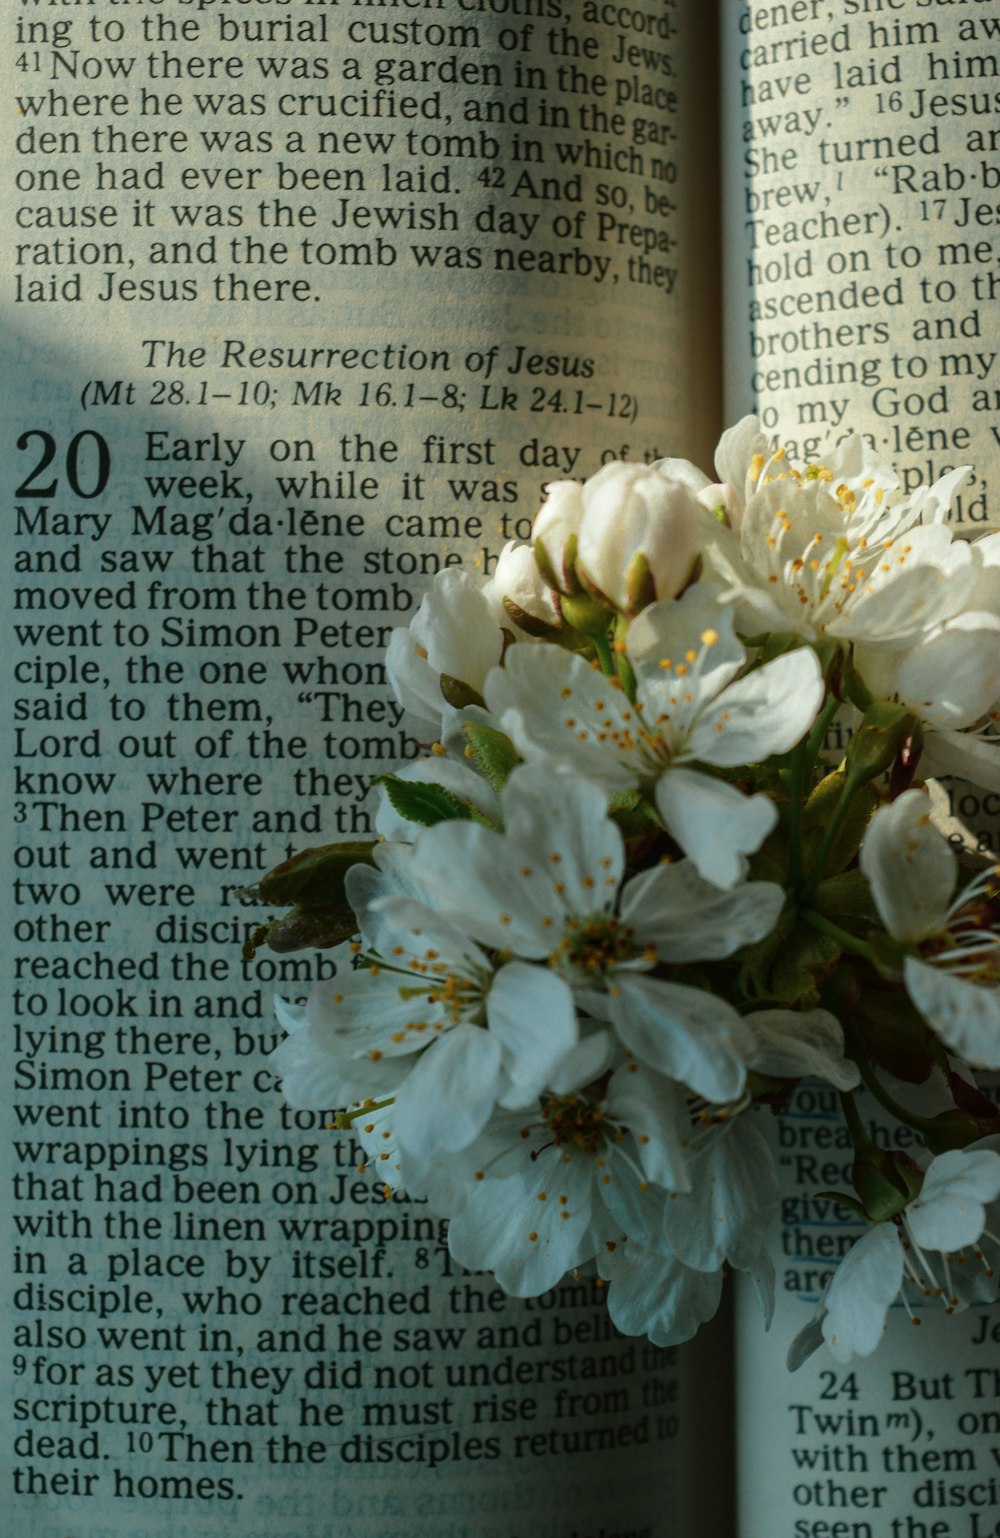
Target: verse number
x=837 y=1388
x=88 y=465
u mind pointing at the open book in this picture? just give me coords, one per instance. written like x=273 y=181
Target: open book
x=305 y=300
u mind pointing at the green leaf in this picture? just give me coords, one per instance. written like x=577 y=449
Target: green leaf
x=313 y=878
x=844 y=1201
x=530 y=623
x=493 y=753
x=458 y=694
x=304 y=929
x=428 y=804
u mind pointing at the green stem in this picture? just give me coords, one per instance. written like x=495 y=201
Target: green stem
x=818 y=733
x=855 y=1126
x=343 y=1119
x=801 y=769
x=604 y=657
x=627 y=675
x=796 y=804
x=885 y=1100
x=843 y=937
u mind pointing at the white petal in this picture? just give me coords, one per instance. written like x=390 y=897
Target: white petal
x=684 y=471
x=976 y=759
x=376 y=1132
x=587 y=1061
x=403 y=930
x=530 y=1012
x=950 y=1211
x=291 y=1017
x=863 y=1287
x=547 y=813
x=483 y=884
x=736 y=450
x=715 y=824
x=965 y=1015
x=684 y=1033
x=687 y=918
x=787 y=1045
x=658 y=1297
x=526 y=1242
x=630 y=1204
x=321 y=1071
x=445 y=1101
x=902 y=610
x=554 y=707
x=653 y=1108
x=733 y=1200
x=665 y=633
x=414 y=682
x=458 y=627
x=766 y=712
x=950 y=680
x=370 y=1014
x=909 y=866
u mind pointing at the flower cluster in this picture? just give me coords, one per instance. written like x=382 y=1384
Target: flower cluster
x=671 y=851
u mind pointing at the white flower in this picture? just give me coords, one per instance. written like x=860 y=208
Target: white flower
x=639 y=535
x=922 y=1248
x=691 y=712
x=953 y=975
x=456 y=632
x=547 y=890
x=725 y=1215
x=545 y=1192
x=951 y=680
x=829 y=550
x=429 y=1000
x=748 y=461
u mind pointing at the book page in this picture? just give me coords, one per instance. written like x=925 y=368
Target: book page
x=860 y=295
x=899 y=1445
x=303 y=302
x=860 y=172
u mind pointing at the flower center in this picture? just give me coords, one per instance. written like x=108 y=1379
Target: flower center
x=593 y=945
x=931 y=1275
x=970 y=944
x=576 y=1123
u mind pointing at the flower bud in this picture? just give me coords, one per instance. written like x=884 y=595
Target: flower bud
x=632 y=511
x=724 y=504
x=518 y=585
x=886 y=1182
x=883 y=731
x=554 y=533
